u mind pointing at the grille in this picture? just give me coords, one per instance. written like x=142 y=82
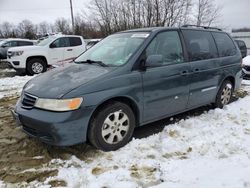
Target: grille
x=9 y=54
x=247 y=68
x=28 y=101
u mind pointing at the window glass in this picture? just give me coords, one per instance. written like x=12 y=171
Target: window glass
x=225 y=44
x=24 y=43
x=10 y=44
x=168 y=45
x=75 y=41
x=200 y=45
x=62 y=42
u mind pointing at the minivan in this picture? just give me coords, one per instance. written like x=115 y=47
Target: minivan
x=130 y=79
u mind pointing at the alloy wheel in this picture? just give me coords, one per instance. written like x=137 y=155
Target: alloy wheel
x=115 y=127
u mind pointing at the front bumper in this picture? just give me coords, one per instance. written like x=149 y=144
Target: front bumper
x=54 y=128
x=246 y=72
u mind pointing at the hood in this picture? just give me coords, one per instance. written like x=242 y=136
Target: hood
x=246 y=60
x=24 y=48
x=59 y=81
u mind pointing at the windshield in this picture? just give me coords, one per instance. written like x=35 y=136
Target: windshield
x=46 y=41
x=2 y=42
x=114 y=50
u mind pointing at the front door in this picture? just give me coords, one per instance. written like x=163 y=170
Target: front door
x=166 y=88
x=57 y=50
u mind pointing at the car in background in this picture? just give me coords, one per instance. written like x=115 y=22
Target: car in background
x=9 y=43
x=54 y=50
x=92 y=42
x=242 y=46
x=246 y=67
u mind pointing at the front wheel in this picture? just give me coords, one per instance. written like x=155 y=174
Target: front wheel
x=112 y=126
x=36 y=66
x=224 y=94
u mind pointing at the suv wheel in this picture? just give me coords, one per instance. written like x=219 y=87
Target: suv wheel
x=224 y=94
x=112 y=127
x=36 y=66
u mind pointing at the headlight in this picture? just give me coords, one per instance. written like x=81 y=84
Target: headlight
x=17 y=53
x=59 y=105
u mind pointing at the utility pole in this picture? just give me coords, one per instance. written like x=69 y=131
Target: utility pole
x=72 y=17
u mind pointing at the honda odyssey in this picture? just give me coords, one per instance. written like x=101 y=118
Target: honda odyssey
x=130 y=79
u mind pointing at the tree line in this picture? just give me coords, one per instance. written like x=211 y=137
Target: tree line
x=108 y=16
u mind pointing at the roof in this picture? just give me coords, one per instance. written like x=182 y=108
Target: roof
x=17 y=39
x=151 y=29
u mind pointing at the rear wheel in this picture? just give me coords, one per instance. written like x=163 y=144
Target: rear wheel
x=112 y=126
x=36 y=66
x=224 y=94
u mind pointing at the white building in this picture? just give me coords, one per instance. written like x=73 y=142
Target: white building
x=245 y=36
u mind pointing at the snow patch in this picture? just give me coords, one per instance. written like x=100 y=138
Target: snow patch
x=12 y=86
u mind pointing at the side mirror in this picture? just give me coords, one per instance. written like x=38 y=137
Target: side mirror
x=3 y=46
x=52 y=45
x=154 y=61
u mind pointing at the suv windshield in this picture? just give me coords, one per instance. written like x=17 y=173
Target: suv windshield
x=114 y=50
x=46 y=41
x=2 y=42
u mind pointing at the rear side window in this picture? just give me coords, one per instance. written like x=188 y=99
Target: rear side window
x=200 y=45
x=168 y=45
x=225 y=44
x=75 y=41
x=24 y=43
x=241 y=44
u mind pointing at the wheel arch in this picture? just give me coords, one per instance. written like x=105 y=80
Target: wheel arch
x=38 y=57
x=229 y=78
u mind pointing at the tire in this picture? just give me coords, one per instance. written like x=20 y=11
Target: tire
x=111 y=127
x=224 y=94
x=36 y=66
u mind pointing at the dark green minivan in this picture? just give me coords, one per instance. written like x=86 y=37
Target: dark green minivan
x=129 y=79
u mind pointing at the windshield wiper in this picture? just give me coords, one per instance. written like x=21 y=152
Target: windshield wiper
x=94 y=62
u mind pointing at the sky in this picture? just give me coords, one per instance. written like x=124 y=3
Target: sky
x=234 y=14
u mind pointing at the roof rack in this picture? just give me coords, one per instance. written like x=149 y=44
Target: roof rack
x=204 y=27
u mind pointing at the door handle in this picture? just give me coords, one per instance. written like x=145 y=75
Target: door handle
x=196 y=70
x=69 y=49
x=184 y=73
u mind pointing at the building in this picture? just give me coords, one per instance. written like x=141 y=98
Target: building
x=245 y=36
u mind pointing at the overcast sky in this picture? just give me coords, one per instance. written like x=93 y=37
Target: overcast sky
x=235 y=13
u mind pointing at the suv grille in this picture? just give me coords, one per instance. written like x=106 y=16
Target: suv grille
x=247 y=68
x=28 y=101
x=9 y=54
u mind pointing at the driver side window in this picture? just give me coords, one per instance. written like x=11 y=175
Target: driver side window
x=61 y=42
x=168 y=45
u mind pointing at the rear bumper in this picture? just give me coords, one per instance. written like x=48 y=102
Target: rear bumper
x=54 y=128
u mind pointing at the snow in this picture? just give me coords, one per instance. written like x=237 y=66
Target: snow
x=246 y=60
x=210 y=150
x=10 y=86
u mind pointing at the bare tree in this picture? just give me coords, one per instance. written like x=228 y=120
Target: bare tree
x=62 y=25
x=26 y=29
x=207 y=12
x=7 y=30
x=44 y=28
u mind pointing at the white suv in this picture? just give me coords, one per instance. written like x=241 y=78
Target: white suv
x=57 y=49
